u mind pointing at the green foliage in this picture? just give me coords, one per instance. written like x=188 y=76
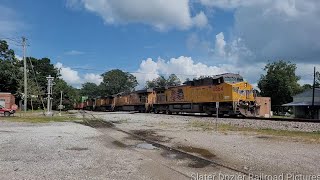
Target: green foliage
x=5 y=52
x=10 y=73
x=317 y=83
x=70 y=94
x=116 y=81
x=11 y=79
x=306 y=87
x=43 y=68
x=35 y=93
x=90 y=89
x=161 y=81
x=280 y=83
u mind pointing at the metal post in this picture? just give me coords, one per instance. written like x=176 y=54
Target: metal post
x=60 y=107
x=217 y=115
x=49 y=104
x=25 y=74
x=313 y=92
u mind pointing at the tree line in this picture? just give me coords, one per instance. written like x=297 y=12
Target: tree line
x=279 y=82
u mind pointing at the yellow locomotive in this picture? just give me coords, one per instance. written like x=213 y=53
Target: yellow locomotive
x=226 y=92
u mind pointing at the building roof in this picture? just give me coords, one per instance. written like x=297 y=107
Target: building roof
x=308 y=93
x=5 y=93
x=305 y=98
x=301 y=104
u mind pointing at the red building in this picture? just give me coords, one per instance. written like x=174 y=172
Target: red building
x=7 y=100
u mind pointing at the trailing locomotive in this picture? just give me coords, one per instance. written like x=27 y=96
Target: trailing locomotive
x=225 y=94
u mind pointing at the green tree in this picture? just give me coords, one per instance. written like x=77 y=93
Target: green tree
x=5 y=52
x=10 y=73
x=35 y=94
x=306 y=87
x=42 y=69
x=280 y=82
x=90 y=89
x=70 y=94
x=317 y=84
x=116 y=81
x=173 y=80
x=161 y=81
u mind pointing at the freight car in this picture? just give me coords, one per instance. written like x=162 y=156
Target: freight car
x=82 y=103
x=141 y=101
x=226 y=92
x=89 y=104
x=104 y=104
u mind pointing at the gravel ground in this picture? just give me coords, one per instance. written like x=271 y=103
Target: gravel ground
x=69 y=150
x=249 y=123
x=249 y=151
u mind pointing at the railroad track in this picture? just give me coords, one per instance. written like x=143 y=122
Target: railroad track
x=259 y=118
x=162 y=146
x=252 y=118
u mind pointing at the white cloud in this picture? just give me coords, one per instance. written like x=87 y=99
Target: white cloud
x=220 y=44
x=273 y=29
x=200 y=20
x=70 y=76
x=183 y=67
x=18 y=57
x=74 y=52
x=94 y=78
x=73 y=78
x=161 y=14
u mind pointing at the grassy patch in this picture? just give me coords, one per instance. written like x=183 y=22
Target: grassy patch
x=298 y=135
x=40 y=119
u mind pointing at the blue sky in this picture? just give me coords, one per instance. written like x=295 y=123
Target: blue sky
x=150 y=37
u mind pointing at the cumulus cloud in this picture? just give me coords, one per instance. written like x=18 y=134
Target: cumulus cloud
x=161 y=14
x=94 y=78
x=186 y=67
x=220 y=44
x=273 y=29
x=73 y=77
x=183 y=67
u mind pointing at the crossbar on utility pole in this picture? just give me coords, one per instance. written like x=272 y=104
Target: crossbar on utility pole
x=25 y=74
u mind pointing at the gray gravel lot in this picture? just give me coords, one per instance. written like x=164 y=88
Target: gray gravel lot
x=246 y=151
x=73 y=151
x=69 y=150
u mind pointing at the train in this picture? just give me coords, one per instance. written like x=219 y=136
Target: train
x=224 y=95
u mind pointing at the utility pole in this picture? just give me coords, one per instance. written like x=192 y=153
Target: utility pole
x=313 y=92
x=25 y=74
x=49 y=104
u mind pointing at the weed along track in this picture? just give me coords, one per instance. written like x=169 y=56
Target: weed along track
x=200 y=157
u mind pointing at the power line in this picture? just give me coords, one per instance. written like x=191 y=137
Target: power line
x=38 y=88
